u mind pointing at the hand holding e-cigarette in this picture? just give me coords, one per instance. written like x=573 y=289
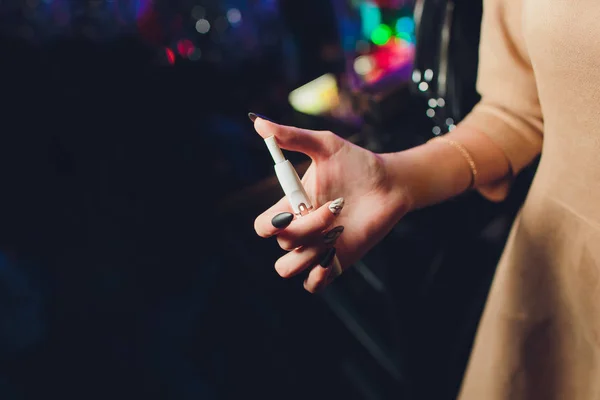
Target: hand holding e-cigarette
x=331 y=217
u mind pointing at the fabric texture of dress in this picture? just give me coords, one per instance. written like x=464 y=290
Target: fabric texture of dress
x=539 y=76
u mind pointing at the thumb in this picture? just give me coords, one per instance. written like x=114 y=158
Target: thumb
x=315 y=144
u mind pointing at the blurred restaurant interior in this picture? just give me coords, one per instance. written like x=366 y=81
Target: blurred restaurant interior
x=131 y=178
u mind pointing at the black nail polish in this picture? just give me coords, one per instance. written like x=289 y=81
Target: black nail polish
x=254 y=116
x=333 y=234
x=282 y=220
x=327 y=258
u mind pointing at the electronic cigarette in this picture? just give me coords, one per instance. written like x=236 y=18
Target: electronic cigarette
x=289 y=180
x=293 y=189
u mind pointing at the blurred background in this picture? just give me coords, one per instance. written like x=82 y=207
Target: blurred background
x=131 y=176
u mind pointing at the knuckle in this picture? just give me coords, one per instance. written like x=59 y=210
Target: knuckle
x=328 y=137
x=330 y=140
x=327 y=134
x=332 y=137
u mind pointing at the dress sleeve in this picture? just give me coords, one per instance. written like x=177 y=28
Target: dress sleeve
x=509 y=111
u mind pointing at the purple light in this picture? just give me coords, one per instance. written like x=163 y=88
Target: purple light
x=142 y=7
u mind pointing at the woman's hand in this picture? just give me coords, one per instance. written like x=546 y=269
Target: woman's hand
x=355 y=205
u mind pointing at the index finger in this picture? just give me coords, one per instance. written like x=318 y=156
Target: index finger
x=263 y=223
x=315 y=144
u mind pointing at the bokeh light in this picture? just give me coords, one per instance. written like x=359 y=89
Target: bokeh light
x=370 y=16
x=416 y=76
x=406 y=25
x=316 y=97
x=363 y=65
x=428 y=75
x=407 y=37
x=381 y=35
x=170 y=56
x=185 y=47
x=202 y=26
x=234 y=16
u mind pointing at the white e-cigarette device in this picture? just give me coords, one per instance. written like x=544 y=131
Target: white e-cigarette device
x=293 y=189
x=289 y=180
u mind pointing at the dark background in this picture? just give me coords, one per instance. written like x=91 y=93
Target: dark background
x=130 y=178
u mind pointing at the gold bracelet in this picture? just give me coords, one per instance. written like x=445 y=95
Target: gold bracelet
x=465 y=154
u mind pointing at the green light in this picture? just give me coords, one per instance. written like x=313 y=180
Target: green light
x=381 y=35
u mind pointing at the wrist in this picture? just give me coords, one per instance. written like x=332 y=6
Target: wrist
x=437 y=171
x=402 y=182
x=427 y=174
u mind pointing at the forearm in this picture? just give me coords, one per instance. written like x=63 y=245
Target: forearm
x=437 y=171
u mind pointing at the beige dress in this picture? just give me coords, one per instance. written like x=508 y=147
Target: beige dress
x=539 y=337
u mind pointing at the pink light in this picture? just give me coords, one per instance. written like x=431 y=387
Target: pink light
x=185 y=47
x=170 y=56
x=390 y=57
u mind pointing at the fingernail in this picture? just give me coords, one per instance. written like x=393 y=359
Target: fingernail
x=336 y=206
x=254 y=116
x=333 y=234
x=282 y=220
x=327 y=258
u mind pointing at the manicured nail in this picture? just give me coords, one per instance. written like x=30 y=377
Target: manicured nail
x=336 y=206
x=327 y=258
x=333 y=234
x=254 y=116
x=282 y=220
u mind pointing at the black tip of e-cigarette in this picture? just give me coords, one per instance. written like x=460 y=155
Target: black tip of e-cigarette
x=282 y=220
